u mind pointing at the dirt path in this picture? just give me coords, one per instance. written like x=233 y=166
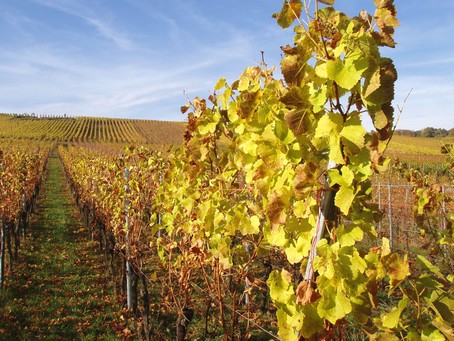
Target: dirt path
x=59 y=289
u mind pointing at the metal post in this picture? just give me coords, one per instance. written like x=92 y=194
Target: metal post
x=390 y=216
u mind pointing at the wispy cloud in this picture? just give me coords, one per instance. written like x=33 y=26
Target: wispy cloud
x=110 y=33
x=103 y=27
x=136 y=58
x=429 y=62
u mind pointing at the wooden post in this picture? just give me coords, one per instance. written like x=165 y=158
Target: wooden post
x=128 y=265
x=24 y=213
x=159 y=213
x=379 y=207
x=326 y=212
x=247 y=285
x=2 y=252
x=92 y=211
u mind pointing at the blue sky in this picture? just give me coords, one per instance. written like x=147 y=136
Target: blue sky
x=138 y=58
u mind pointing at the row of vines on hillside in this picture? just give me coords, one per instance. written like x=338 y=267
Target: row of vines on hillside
x=91 y=129
x=114 y=192
x=21 y=171
x=267 y=205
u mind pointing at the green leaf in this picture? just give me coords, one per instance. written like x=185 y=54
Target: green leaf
x=321 y=70
x=349 y=235
x=281 y=289
x=442 y=304
x=299 y=249
x=312 y=322
x=220 y=246
x=432 y=334
x=301 y=208
x=207 y=128
x=334 y=305
x=344 y=199
x=391 y=319
x=446 y=328
x=348 y=73
x=277 y=236
x=318 y=97
x=428 y=266
x=372 y=84
x=220 y=83
x=353 y=134
x=286 y=324
x=380 y=119
x=329 y=124
x=342 y=177
x=249 y=147
x=254 y=226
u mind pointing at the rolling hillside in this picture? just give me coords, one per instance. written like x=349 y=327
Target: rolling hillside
x=418 y=149
x=90 y=129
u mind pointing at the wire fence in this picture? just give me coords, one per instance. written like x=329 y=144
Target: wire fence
x=398 y=223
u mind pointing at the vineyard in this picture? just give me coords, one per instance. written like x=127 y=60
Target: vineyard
x=90 y=129
x=274 y=214
x=21 y=172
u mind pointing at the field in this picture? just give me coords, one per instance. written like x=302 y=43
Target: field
x=90 y=129
x=418 y=150
x=136 y=275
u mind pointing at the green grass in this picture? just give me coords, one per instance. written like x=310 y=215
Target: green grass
x=59 y=289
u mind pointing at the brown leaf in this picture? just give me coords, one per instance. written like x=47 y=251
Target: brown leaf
x=291 y=69
x=305 y=294
x=289 y=50
x=276 y=210
x=184 y=108
x=297 y=121
x=305 y=178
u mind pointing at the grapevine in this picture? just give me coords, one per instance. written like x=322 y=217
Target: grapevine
x=270 y=196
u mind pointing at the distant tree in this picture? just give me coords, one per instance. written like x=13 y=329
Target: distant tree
x=405 y=132
x=428 y=132
x=451 y=132
x=440 y=132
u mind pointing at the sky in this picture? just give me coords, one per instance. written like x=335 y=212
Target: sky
x=144 y=58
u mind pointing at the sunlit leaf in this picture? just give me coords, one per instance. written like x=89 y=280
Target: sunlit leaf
x=291 y=10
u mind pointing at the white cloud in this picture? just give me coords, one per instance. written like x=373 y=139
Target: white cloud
x=109 y=32
x=103 y=27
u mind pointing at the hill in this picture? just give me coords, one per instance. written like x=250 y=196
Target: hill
x=418 y=149
x=90 y=129
x=412 y=149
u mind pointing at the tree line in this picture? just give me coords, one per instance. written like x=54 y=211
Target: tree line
x=426 y=132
